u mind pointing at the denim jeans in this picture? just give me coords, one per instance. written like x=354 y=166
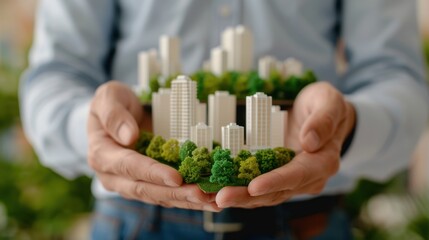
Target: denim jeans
x=117 y=218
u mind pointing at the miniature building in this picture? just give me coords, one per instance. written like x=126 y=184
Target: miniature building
x=201 y=116
x=202 y=136
x=244 y=49
x=222 y=111
x=258 y=121
x=182 y=107
x=233 y=138
x=293 y=67
x=218 y=60
x=148 y=68
x=265 y=66
x=161 y=113
x=238 y=43
x=278 y=127
x=170 y=55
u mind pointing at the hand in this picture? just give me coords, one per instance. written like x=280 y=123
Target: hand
x=113 y=127
x=318 y=124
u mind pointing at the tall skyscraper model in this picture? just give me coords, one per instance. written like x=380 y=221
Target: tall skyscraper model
x=258 y=121
x=183 y=107
x=222 y=111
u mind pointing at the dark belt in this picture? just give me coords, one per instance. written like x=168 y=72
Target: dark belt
x=238 y=223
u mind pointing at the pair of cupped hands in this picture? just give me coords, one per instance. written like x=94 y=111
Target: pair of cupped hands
x=318 y=124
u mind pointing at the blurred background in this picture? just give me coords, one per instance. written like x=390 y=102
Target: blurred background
x=36 y=203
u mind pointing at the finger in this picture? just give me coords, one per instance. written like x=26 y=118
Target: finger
x=304 y=169
x=240 y=197
x=108 y=157
x=326 y=110
x=187 y=196
x=117 y=108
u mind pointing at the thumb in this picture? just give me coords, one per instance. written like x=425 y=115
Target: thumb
x=324 y=117
x=111 y=105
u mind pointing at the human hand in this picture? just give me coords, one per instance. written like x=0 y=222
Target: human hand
x=318 y=124
x=113 y=127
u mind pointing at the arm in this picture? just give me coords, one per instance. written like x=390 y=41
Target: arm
x=386 y=84
x=385 y=99
x=72 y=40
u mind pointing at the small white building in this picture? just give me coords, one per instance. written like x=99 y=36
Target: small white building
x=202 y=135
x=233 y=138
x=218 y=61
x=278 y=127
x=238 y=44
x=183 y=103
x=258 y=121
x=169 y=48
x=293 y=67
x=222 y=111
x=244 y=60
x=266 y=65
x=161 y=112
x=148 y=67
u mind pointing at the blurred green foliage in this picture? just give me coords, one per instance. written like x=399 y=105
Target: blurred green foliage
x=35 y=202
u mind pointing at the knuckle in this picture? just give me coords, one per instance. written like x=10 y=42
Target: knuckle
x=124 y=167
x=94 y=157
x=173 y=195
x=139 y=189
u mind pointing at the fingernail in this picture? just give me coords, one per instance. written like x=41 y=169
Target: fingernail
x=170 y=183
x=124 y=133
x=312 y=140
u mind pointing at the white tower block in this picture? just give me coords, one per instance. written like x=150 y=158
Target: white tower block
x=244 y=52
x=278 y=127
x=218 y=60
x=222 y=111
x=258 y=121
x=265 y=66
x=233 y=138
x=228 y=41
x=170 y=55
x=293 y=67
x=183 y=103
x=202 y=136
x=161 y=113
x=148 y=67
x=201 y=116
x=207 y=66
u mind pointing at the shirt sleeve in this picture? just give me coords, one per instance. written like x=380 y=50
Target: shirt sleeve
x=385 y=81
x=68 y=61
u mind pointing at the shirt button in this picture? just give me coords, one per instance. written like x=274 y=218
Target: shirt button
x=225 y=10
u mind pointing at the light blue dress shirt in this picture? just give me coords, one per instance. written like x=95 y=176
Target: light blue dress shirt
x=81 y=44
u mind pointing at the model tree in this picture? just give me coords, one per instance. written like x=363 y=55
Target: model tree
x=283 y=155
x=249 y=169
x=223 y=170
x=267 y=160
x=190 y=170
x=154 y=149
x=170 y=151
x=186 y=149
x=143 y=142
x=201 y=157
x=241 y=156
